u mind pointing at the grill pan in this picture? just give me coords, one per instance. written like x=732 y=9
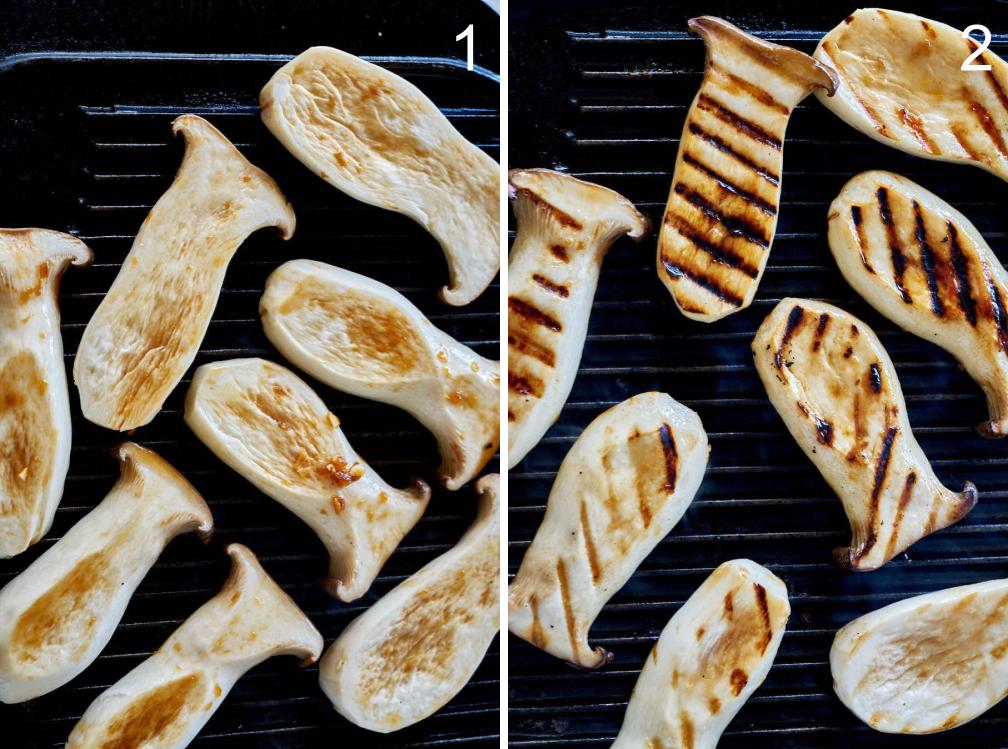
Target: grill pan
x=601 y=90
x=86 y=146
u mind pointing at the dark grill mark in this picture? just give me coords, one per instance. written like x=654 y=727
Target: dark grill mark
x=553 y=288
x=562 y=217
x=519 y=342
x=755 y=92
x=913 y=122
x=927 y=261
x=532 y=314
x=960 y=137
x=898 y=258
x=671 y=457
x=995 y=84
x=589 y=540
x=729 y=605
x=726 y=149
x=824 y=319
x=559 y=252
x=739 y=679
x=719 y=254
x=761 y=601
x=875 y=377
x=998 y=313
x=746 y=195
x=561 y=571
x=824 y=431
x=794 y=319
x=524 y=385
x=741 y=124
x=960 y=266
x=858 y=220
x=736 y=225
x=676 y=270
x=907 y=493
x=881 y=468
x=989 y=126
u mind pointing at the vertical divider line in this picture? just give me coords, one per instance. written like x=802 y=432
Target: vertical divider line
x=504 y=140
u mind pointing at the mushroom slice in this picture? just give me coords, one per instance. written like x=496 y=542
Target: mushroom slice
x=34 y=402
x=722 y=208
x=711 y=656
x=408 y=655
x=60 y=613
x=902 y=86
x=148 y=328
x=565 y=228
x=376 y=137
x=922 y=264
x=835 y=387
x=270 y=427
x=167 y=699
x=928 y=663
x=622 y=487
x=364 y=338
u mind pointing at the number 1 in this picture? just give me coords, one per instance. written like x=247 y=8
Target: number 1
x=468 y=36
x=968 y=63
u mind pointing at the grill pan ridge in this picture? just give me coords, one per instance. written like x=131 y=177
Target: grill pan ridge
x=601 y=91
x=86 y=146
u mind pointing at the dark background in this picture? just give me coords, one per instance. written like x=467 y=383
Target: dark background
x=86 y=147
x=601 y=89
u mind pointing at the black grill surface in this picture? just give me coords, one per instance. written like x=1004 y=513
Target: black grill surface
x=86 y=147
x=601 y=90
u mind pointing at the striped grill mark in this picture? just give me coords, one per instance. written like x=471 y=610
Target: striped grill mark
x=881 y=469
x=875 y=377
x=824 y=320
x=537 y=635
x=738 y=679
x=554 y=288
x=995 y=84
x=677 y=270
x=927 y=261
x=794 y=320
x=737 y=226
x=524 y=384
x=755 y=92
x=685 y=730
x=590 y=550
x=562 y=217
x=559 y=252
x=998 y=313
x=739 y=123
x=561 y=570
x=988 y=124
x=964 y=144
x=726 y=149
x=524 y=345
x=898 y=258
x=532 y=314
x=914 y=124
x=746 y=195
x=908 y=486
x=761 y=601
x=671 y=457
x=858 y=221
x=960 y=266
x=718 y=253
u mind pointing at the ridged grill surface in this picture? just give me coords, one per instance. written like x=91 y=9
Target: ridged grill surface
x=111 y=156
x=607 y=91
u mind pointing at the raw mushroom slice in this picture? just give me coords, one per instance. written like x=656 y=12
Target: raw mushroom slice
x=922 y=264
x=271 y=428
x=622 y=487
x=148 y=328
x=166 y=700
x=376 y=137
x=404 y=658
x=901 y=84
x=835 y=387
x=722 y=208
x=364 y=338
x=34 y=401
x=565 y=228
x=711 y=656
x=928 y=663
x=61 y=612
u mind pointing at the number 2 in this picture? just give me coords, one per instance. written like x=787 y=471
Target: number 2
x=968 y=62
x=468 y=36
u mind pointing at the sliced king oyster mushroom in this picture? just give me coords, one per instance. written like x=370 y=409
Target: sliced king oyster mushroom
x=565 y=228
x=722 y=208
x=376 y=137
x=166 y=700
x=148 y=328
x=710 y=658
x=622 y=487
x=61 y=612
x=34 y=402
x=270 y=427
x=922 y=264
x=928 y=663
x=405 y=657
x=365 y=338
x=901 y=84
x=836 y=389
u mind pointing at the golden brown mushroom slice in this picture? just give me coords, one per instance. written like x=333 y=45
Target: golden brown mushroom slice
x=922 y=264
x=836 y=389
x=710 y=658
x=166 y=700
x=34 y=401
x=148 y=328
x=270 y=427
x=901 y=84
x=379 y=139
x=928 y=663
x=565 y=229
x=722 y=208
x=61 y=612
x=405 y=657
x=365 y=338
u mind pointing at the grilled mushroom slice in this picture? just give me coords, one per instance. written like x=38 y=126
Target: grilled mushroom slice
x=405 y=657
x=722 y=208
x=835 y=387
x=713 y=654
x=622 y=487
x=922 y=264
x=60 y=613
x=270 y=427
x=376 y=137
x=364 y=338
x=148 y=328
x=565 y=228
x=901 y=84
x=167 y=699
x=34 y=402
